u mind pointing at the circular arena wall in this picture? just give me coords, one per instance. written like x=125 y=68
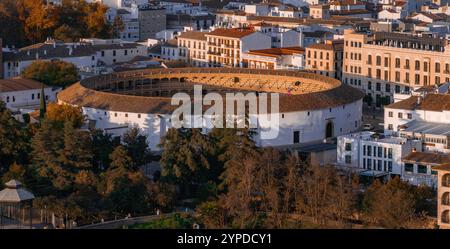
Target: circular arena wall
x=311 y=107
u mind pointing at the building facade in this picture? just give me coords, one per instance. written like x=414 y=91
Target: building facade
x=384 y=63
x=326 y=58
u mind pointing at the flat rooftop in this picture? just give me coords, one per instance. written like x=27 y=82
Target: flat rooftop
x=427 y=128
x=374 y=137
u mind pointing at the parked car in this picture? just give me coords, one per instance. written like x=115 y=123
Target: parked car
x=368 y=127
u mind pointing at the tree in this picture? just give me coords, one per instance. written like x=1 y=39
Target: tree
x=212 y=215
x=137 y=147
x=52 y=73
x=66 y=33
x=14 y=140
x=118 y=26
x=65 y=113
x=184 y=157
x=390 y=205
x=42 y=105
x=59 y=153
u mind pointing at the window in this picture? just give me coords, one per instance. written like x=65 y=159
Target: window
x=378 y=86
x=126 y=115
x=139 y=115
x=380 y=152
x=369 y=85
x=409 y=167
x=348 y=159
x=409 y=115
x=417 y=66
x=348 y=146
x=397 y=76
x=364 y=163
x=437 y=67
x=425 y=66
x=115 y=114
x=388 y=88
x=397 y=62
x=125 y=52
x=406 y=64
x=421 y=169
x=386 y=62
x=390 y=153
x=417 y=79
x=380 y=165
x=385 y=154
x=378 y=74
x=378 y=60
x=400 y=115
x=390 y=114
x=369 y=163
x=390 y=127
x=406 y=77
x=32 y=96
x=369 y=59
x=364 y=150
x=103 y=53
x=114 y=52
x=386 y=75
x=389 y=166
x=397 y=89
x=369 y=150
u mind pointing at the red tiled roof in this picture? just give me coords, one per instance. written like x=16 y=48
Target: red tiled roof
x=275 y=52
x=233 y=33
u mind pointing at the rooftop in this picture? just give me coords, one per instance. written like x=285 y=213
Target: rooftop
x=194 y=35
x=275 y=52
x=428 y=157
x=18 y=84
x=427 y=128
x=232 y=33
x=431 y=102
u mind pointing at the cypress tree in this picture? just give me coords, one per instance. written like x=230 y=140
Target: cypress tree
x=43 y=105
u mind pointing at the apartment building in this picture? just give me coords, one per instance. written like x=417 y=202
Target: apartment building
x=130 y=22
x=275 y=58
x=374 y=155
x=225 y=46
x=281 y=37
x=193 y=48
x=384 y=63
x=443 y=186
x=326 y=58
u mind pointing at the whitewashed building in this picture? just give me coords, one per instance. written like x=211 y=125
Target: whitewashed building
x=373 y=154
x=24 y=94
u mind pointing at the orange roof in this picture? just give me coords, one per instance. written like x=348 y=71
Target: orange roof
x=431 y=102
x=275 y=52
x=233 y=33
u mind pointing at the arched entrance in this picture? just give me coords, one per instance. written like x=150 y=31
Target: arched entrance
x=329 y=129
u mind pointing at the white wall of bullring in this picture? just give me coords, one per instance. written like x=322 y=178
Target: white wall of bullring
x=310 y=124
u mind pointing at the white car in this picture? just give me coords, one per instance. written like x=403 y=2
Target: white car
x=368 y=127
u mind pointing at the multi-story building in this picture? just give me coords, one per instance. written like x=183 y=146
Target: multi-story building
x=372 y=154
x=431 y=108
x=281 y=37
x=326 y=58
x=130 y=22
x=151 y=20
x=193 y=48
x=384 y=63
x=225 y=46
x=443 y=195
x=275 y=58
